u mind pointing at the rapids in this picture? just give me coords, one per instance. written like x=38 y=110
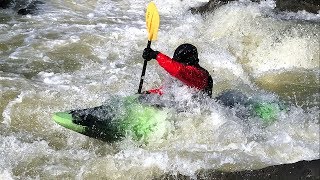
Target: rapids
x=75 y=54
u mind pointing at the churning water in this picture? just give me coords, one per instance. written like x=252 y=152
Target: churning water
x=75 y=54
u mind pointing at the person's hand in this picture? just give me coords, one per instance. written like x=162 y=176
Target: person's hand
x=149 y=54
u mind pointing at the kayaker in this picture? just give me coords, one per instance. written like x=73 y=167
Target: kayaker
x=184 y=66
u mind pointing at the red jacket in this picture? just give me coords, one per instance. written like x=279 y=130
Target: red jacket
x=192 y=75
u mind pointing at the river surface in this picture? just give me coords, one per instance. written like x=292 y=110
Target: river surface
x=75 y=54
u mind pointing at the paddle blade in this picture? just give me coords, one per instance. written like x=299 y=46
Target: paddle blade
x=152 y=21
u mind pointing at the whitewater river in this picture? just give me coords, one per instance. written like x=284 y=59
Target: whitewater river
x=75 y=54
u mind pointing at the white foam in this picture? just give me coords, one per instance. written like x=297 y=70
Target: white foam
x=237 y=41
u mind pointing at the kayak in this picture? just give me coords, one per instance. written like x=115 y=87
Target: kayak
x=266 y=109
x=117 y=118
x=129 y=116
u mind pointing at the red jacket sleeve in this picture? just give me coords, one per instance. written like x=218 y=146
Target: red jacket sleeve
x=155 y=91
x=192 y=76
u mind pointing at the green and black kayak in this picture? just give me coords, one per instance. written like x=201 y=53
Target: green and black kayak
x=265 y=109
x=128 y=116
x=119 y=117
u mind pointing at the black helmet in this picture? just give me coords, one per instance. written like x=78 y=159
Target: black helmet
x=187 y=54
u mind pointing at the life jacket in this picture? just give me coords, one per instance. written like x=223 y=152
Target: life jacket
x=193 y=76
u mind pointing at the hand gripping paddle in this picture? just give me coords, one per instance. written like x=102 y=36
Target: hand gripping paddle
x=152 y=21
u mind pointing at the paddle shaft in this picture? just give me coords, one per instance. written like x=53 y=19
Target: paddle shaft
x=143 y=70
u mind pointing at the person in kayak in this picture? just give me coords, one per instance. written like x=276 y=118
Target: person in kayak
x=184 y=66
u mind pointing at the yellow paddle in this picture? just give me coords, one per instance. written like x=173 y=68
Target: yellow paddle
x=152 y=21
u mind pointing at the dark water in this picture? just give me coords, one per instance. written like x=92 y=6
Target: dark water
x=74 y=54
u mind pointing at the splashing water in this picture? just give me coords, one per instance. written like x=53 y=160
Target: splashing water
x=75 y=54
